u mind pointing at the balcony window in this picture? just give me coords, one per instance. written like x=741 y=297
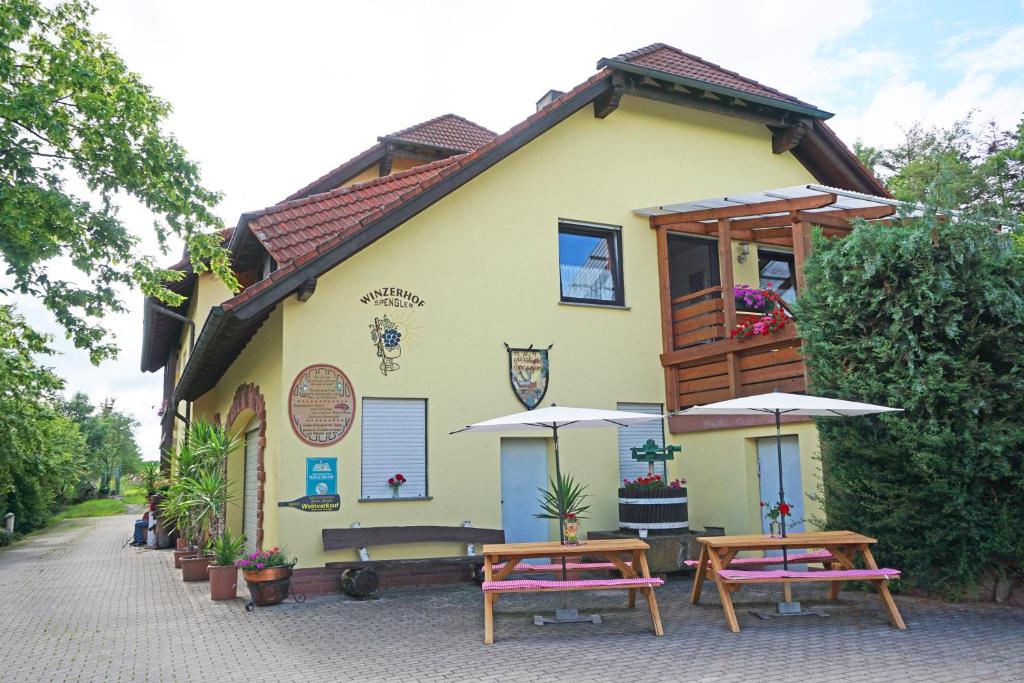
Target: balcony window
x=590 y=264
x=778 y=272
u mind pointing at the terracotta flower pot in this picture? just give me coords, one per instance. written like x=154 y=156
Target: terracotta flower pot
x=223 y=581
x=194 y=568
x=268 y=586
x=180 y=543
x=181 y=554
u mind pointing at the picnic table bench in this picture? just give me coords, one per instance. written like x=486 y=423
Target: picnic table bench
x=502 y=560
x=838 y=553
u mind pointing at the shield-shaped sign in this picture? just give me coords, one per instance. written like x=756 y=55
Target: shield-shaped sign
x=528 y=372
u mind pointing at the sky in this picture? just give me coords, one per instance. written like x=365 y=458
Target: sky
x=268 y=96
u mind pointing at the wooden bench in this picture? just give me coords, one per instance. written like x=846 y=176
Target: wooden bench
x=815 y=556
x=575 y=567
x=790 y=576
x=362 y=538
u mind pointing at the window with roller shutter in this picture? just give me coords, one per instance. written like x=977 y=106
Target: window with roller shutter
x=637 y=435
x=394 y=440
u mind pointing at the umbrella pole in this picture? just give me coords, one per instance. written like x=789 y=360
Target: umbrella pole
x=782 y=488
x=558 y=499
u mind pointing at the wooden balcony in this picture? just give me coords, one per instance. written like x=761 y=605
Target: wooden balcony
x=702 y=363
x=705 y=365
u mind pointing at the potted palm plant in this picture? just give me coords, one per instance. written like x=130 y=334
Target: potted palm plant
x=202 y=491
x=224 y=550
x=564 y=501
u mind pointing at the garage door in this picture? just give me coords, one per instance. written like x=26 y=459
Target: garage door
x=249 y=484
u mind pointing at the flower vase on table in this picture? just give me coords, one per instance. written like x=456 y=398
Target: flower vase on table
x=571 y=529
x=775 y=513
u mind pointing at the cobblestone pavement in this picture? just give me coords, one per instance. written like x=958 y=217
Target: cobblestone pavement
x=78 y=607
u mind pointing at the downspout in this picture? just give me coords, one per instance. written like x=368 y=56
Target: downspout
x=187 y=417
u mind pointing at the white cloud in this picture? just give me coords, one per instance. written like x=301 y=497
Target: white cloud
x=991 y=82
x=1004 y=53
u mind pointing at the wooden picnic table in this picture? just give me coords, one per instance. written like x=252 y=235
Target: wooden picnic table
x=717 y=552
x=624 y=555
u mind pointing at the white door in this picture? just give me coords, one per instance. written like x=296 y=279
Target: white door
x=524 y=469
x=768 y=470
x=249 y=483
x=637 y=435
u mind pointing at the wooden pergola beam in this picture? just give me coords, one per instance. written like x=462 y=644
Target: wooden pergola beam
x=741 y=210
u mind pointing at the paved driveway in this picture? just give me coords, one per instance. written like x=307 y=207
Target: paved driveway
x=78 y=607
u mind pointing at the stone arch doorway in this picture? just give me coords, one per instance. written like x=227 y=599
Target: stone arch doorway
x=247 y=418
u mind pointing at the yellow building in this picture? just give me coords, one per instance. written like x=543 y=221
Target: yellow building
x=380 y=298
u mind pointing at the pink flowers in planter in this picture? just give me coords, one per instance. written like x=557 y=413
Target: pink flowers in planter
x=267 y=559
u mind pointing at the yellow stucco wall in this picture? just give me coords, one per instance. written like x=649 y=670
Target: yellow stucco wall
x=399 y=164
x=485 y=260
x=259 y=364
x=721 y=469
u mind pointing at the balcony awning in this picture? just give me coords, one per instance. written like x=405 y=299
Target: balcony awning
x=780 y=202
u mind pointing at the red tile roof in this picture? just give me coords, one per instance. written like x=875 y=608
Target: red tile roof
x=671 y=60
x=292 y=228
x=449 y=132
x=325 y=235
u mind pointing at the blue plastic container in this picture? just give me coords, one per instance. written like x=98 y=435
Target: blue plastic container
x=140 y=532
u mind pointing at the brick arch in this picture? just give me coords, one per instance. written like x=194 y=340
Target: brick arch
x=248 y=397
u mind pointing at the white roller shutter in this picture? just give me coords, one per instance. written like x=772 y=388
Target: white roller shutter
x=394 y=441
x=249 y=484
x=637 y=435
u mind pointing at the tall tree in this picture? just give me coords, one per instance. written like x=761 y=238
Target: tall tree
x=979 y=167
x=78 y=129
x=927 y=316
x=41 y=450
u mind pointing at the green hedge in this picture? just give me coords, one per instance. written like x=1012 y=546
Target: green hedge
x=928 y=317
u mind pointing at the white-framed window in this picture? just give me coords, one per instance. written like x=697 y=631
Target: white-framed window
x=394 y=441
x=637 y=435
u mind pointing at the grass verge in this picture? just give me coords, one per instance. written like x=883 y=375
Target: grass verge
x=101 y=507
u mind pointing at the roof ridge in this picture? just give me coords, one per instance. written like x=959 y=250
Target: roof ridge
x=339 y=191
x=654 y=47
x=368 y=152
x=423 y=124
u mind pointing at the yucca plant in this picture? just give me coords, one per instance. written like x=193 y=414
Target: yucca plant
x=150 y=475
x=206 y=496
x=226 y=548
x=566 y=491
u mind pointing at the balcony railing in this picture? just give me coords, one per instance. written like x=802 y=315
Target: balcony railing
x=698 y=318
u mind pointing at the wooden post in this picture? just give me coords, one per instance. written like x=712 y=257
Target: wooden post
x=725 y=266
x=725 y=269
x=801 y=249
x=667 y=324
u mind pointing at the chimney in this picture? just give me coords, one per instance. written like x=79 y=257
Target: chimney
x=549 y=97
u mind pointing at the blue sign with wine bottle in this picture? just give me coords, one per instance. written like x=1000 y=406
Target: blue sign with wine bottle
x=321 y=487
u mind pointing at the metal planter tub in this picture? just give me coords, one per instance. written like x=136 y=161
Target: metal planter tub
x=656 y=510
x=268 y=586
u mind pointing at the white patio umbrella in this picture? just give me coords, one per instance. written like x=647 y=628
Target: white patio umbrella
x=779 y=404
x=553 y=419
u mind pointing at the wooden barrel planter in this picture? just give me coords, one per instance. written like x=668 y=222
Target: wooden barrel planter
x=656 y=510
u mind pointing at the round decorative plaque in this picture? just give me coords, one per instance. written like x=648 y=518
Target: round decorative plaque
x=321 y=405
